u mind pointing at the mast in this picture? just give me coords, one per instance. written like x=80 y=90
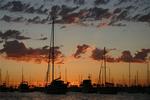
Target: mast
x=49 y=57
x=104 y=56
x=109 y=75
x=7 y=78
x=129 y=73
x=53 y=49
x=51 y=54
x=22 y=79
x=147 y=73
x=66 y=74
x=123 y=80
x=137 y=78
x=47 y=73
x=0 y=77
x=99 y=77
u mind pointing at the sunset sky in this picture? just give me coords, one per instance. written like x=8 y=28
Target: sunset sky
x=76 y=50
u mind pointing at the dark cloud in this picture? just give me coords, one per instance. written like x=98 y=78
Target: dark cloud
x=98 y=54
x=22 y=38
x=111 y=59
x=117 y=10
x=6 y=18
x=1 y=33
x=97 y=2
x=81 y=49
x=14 y=48
x=18 y=51
x=43 y=38
x=45 y=47
x=1 y=41
x=18 y=19
x=10 y=34
x=117 y=24
x=145 y=18
x=126 y=56
x=141 y=55
x=13 y=34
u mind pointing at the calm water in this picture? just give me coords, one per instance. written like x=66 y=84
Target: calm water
x=71 y=96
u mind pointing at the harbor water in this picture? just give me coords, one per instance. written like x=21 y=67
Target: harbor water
x=71 y=96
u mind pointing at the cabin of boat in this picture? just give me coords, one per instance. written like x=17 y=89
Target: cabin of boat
x=24 y=87
x=87 y=87
x=57 y=86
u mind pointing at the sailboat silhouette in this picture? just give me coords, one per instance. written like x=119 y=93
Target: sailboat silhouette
x=57 y=86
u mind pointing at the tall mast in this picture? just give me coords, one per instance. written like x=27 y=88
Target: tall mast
x=53 y=48
x=123 y=80
x=0 y=77
x=109 y=75
x=104 y=65
x=99 y=77
x=129 y=73
x=7 y=78
x=137 y=78
x=22 y=79
x=66 y=74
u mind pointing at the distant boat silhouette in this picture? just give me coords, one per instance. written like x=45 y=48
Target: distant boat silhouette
x=23 y=86
x=4 y=88
x=57 y=86
x=108 y=88
x=87 y=87
x=4 y=85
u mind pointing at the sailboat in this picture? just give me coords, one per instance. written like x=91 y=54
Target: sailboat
x=107 y=87
x=57 y=86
